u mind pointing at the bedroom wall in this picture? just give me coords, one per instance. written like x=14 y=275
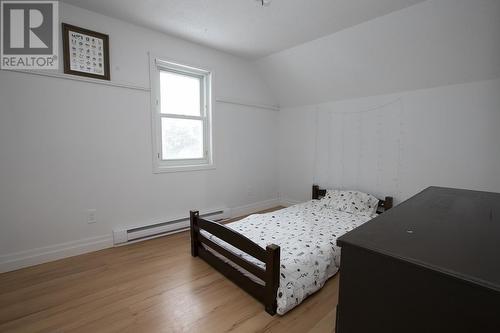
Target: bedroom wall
x=432 y=70
x=396 y=144
x=68 y=146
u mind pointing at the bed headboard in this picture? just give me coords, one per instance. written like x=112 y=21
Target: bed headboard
x=383 y=205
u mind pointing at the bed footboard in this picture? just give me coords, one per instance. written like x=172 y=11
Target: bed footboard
x=265 y=293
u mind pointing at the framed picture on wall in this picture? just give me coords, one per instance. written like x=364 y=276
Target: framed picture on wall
x=86 y=52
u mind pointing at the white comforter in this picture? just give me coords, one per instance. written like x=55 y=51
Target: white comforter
x=307 y=236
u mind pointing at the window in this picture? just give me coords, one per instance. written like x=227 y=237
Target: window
x=181 y=97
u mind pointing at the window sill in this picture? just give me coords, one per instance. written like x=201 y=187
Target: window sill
x=183 y=168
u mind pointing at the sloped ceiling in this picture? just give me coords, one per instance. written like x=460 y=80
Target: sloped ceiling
x=435 y=43
x=244 y=27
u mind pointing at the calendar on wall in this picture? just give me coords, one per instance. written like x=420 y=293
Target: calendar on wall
x=86 y=52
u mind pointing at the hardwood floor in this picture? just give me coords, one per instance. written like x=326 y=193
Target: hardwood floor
x=152 y=286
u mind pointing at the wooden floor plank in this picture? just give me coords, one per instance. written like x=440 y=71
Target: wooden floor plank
x=151 y=286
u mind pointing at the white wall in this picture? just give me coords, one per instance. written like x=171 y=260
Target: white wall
x=394 y=144
x=68 y=146
x=433 y=69
x=431 y=44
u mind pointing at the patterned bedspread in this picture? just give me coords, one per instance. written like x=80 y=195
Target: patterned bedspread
x=307 y=235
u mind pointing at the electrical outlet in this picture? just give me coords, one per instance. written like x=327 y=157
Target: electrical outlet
x=91 y=216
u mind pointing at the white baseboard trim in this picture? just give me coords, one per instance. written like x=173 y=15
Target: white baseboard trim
x=13 y=261
x=286 y=202
x=254 y=207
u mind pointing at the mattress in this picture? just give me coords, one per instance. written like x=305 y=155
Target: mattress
x=307 y=235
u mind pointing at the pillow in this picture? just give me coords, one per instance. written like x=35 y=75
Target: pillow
x=353 y=202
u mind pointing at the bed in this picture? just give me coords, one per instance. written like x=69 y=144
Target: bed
x=280 y=277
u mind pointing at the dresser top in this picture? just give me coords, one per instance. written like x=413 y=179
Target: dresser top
x=456 y=232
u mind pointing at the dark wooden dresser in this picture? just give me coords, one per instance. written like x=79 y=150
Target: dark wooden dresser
x=431 y=264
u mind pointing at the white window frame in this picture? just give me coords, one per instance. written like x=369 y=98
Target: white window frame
x=207 y=161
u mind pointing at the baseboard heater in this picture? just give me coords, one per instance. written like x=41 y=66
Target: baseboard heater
x=137 y=233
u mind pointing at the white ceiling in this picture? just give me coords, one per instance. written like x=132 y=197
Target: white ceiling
x=434 y=43
x=244 y=27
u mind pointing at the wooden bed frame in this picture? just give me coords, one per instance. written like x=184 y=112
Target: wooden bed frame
x=270 y=256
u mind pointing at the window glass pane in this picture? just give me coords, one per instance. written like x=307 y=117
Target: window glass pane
x=181 y=138
x=180 y=94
